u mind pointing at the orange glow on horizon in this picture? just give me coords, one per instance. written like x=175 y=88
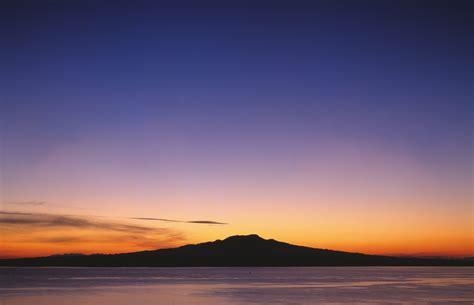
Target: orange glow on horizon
x=12 y=245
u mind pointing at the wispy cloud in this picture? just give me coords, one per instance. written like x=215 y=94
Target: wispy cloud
x=143 y=241
x=207 y=222
x=76 y=229
x=60 y=233
x=40 y=220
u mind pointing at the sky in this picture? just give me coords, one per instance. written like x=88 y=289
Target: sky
x=132 y=125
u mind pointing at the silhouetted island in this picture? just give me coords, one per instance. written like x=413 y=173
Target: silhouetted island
x=239 y=250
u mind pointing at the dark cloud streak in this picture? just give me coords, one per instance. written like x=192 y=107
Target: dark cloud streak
x=81 y=231
x=53 y=220
x=64 y=225
x=209 y=222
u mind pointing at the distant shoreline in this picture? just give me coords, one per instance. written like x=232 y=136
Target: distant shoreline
x=235 y=251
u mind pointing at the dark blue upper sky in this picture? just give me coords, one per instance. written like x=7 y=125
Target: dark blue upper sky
x=391 y=74
x=399 y=71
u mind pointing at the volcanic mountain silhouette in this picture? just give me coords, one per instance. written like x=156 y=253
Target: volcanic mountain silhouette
x=239 y=250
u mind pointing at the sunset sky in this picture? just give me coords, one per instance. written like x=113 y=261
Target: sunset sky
x=132 y=125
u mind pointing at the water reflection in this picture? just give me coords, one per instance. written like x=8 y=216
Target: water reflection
x=230 y=286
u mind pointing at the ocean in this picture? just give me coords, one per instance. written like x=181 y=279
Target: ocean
x=231 y=286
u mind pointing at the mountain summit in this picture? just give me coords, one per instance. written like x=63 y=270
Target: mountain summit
x=238 y=250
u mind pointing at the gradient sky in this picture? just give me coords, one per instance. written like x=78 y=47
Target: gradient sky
x=333 y=124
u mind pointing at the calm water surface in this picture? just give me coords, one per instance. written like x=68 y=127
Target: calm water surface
x=230 y=286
